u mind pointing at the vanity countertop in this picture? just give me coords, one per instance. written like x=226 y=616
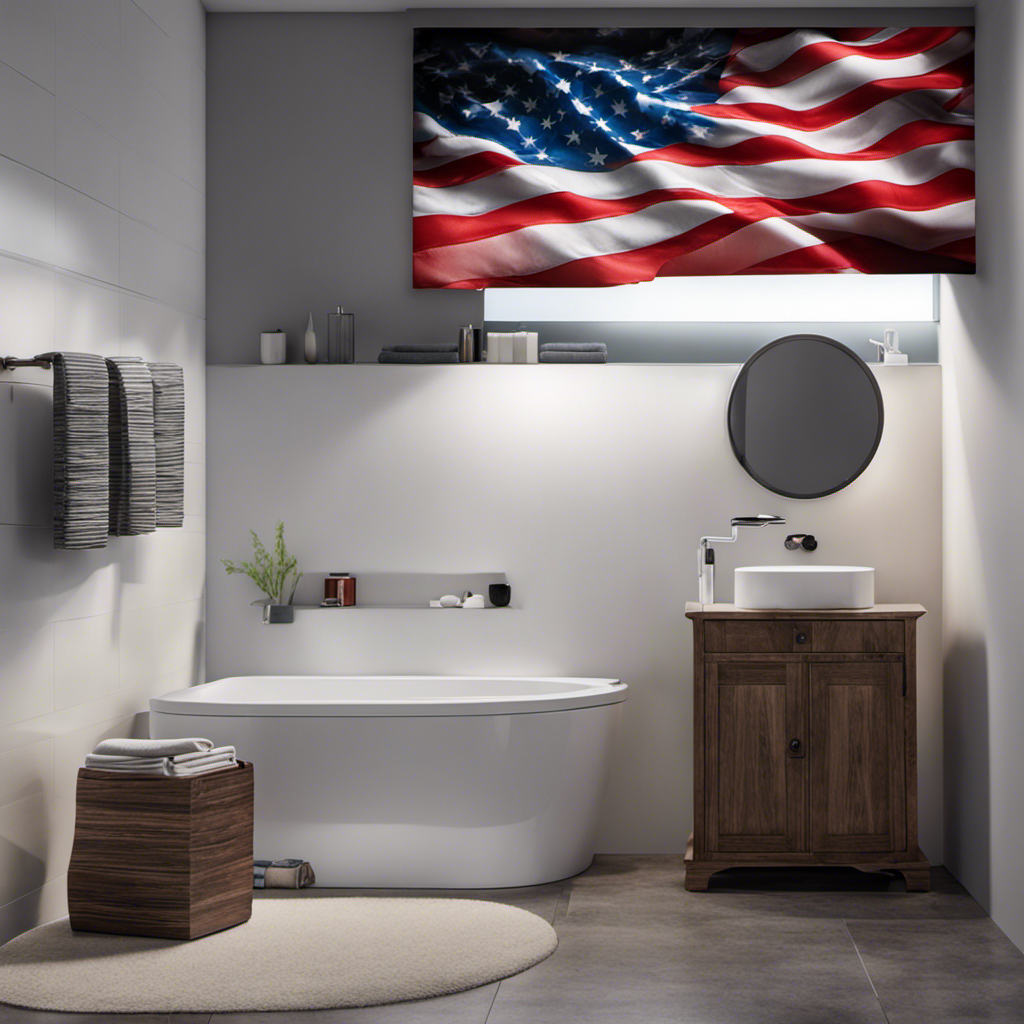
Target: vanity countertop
x=695 y=610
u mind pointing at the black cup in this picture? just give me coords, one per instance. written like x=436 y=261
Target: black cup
x=500 y=594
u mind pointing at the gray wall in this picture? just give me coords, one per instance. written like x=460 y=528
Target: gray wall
x=101 y=250
x=589 y=486
x=983 y=368
x=309 y=199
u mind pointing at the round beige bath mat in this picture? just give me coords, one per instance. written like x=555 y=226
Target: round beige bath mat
x=293 y=954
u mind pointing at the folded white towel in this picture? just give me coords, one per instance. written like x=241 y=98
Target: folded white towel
x=153 y=748
x=205 y=756
x=166 y=769
x=114 y=761
x=194 y=762
x=202 y=769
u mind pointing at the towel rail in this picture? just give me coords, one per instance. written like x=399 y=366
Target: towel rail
x=12 y=362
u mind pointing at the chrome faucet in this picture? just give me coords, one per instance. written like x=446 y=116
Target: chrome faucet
x=706 y=554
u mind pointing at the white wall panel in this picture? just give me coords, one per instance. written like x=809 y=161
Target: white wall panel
x=26 y=42
x=26 y=127
x=98 y=19
x=26 y=312
x=26 y=480
x=87 y=316
x=159 y=267
x=26 y=674
x=87 y=238
x=87 y=156
x=26 y=211
x=88 y=78
x=26 y=577
x=162 y=200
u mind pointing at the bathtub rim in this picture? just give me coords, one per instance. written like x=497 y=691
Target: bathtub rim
x=594 y=692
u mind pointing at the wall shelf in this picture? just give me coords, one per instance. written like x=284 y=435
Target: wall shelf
x=400 y=607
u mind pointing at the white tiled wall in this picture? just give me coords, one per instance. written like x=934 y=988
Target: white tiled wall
x=102 y=249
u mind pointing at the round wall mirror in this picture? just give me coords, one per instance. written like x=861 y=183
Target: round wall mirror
x=805 y=416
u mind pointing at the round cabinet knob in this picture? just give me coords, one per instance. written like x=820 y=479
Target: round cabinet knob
x=794 y=745
x=801 y=638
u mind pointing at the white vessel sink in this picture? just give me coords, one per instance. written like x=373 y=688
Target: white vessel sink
x=804 y=586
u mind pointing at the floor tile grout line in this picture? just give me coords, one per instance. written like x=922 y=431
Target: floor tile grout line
x=487 y=1016
x=562 y=904
x=864 y=968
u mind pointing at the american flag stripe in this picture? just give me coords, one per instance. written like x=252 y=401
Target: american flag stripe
x=785 y=179
x=955 y=185
x=818 y=55
x=834 y=80
x=762 y=150
x=542 y=248
x=760 y=53
x=827 y=152
x=944 y=83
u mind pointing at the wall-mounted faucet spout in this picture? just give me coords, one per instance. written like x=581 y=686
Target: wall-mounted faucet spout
x=706 y=553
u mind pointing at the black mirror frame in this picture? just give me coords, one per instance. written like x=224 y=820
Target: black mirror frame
x=861 y=365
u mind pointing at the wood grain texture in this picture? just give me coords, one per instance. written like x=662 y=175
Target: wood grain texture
x=169 y=858
x=847 y=793
x=856 y=740
x=874 y=637
x=754 y=787
x=758 y=636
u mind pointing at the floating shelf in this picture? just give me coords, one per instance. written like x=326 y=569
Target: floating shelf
x=402 y=607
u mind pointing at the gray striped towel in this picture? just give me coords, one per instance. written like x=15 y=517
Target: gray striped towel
x=563 y=356
x=132 y=447
x=80 y=450
x=169 y=435
x=574 y=346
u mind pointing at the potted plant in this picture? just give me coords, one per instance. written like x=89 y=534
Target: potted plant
x=274 y=573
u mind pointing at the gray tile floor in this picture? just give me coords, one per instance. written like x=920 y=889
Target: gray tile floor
x=793 y=947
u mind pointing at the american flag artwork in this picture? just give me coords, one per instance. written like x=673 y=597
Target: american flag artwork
x=568 y=158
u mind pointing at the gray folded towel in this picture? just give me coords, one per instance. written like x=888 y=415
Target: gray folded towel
x=574 y=346
x=282 y=874
x=129 y=747
x=440 y=346
x=573 y=357
x=81 y=455
x=417 y=357
x=169 y=440
x=132 y=448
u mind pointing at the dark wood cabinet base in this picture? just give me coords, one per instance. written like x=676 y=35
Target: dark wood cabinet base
x=698 y=873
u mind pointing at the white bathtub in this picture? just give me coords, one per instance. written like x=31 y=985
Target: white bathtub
x=415 y=781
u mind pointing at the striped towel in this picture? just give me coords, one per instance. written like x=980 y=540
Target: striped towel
x=132 y=447
x=566 y=356
x=169 y=435
x=80 y=452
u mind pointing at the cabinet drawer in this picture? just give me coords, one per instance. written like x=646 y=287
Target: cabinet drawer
x=758 y=636
x=874 y=636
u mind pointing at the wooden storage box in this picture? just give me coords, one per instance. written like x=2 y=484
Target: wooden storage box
x=169 y=858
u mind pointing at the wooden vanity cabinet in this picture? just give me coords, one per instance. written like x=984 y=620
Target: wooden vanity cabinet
x=805 y=740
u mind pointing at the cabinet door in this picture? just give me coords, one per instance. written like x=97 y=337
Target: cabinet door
x=856 y=754
x=755 y=779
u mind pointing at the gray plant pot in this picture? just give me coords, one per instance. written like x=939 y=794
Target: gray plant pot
x=275 y=613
